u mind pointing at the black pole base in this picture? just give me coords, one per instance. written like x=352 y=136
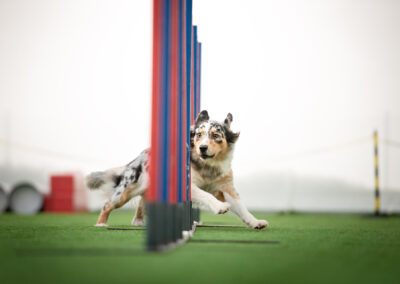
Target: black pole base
x=166 y=223
x=187 y=216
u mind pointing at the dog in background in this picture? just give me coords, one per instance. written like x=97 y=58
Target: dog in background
x=211 y=152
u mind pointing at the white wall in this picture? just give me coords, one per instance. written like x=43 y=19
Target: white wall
x=307 y=83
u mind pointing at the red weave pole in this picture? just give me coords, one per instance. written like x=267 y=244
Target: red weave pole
x=184 y=111
x=173 y=190
x=151 y=193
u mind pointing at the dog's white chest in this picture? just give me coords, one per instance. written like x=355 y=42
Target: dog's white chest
x=206 y=184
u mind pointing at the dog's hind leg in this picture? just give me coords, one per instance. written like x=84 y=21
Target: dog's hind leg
x=138 y=219
x=104 y=214
x=107 y=208
x=117 y=200
x=133 y=183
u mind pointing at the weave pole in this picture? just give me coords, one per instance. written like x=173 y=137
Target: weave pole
x=376 y=168
x=188 y=82
x=196 y=94
x=168 y=196
x=182 y=119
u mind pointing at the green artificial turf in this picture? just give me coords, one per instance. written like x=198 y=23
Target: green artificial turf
x=50 y=248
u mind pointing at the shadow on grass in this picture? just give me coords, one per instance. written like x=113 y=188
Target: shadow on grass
x=29 y=252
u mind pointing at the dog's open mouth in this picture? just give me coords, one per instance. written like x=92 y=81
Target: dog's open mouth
x=205 y=157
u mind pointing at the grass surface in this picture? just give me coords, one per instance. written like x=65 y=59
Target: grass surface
x=312 y=249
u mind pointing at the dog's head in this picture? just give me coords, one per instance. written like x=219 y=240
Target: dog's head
x=212 y=140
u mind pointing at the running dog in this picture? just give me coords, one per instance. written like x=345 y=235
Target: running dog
x=211 y=153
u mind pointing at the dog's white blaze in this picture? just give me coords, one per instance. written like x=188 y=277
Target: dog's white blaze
x=204 y=138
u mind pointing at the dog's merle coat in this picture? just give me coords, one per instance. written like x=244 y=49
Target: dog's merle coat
x=133 y=170
x=123 y=179
x=212 y=181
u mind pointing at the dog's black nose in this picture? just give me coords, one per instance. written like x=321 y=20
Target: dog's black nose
x=203 y=148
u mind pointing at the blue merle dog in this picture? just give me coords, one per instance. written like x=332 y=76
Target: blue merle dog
x=211 y=153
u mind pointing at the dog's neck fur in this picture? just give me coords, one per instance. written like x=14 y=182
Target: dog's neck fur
x=214 y=169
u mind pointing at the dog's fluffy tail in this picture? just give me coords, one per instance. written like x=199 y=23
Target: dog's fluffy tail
x=96 y=179
x=103 y=180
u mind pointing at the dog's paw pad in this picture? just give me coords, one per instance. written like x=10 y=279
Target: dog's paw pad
x=101 y=225
x=138 y=222
x=260 y=224
x=223 y=208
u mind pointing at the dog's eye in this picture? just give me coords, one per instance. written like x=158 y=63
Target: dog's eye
x=215 y=136
x=198 y=135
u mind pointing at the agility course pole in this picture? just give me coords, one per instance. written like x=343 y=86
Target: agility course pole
x=182 y=121
x=188 y=82
x=195 y=95
x=162 y=166
x=168 y=196
x=376 y=167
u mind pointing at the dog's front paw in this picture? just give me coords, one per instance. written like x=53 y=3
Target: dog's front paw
x=137 y=222
x=222 y=208
x=259 y=224
x=101 y=225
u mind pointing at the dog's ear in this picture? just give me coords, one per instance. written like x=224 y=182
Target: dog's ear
x=203 y=116
x=231 y=137
x=228 y=120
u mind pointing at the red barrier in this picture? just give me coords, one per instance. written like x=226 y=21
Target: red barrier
x=67 y=194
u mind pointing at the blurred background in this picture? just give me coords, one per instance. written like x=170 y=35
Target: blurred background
x=307 y=83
